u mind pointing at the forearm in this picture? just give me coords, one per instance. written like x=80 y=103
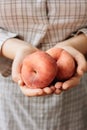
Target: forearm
x=12 y=46
x=79 y=42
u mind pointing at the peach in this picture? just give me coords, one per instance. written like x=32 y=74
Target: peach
x=65 y=63
x=38 y=70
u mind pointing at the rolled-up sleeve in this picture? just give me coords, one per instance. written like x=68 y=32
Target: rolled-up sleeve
x=82 y=30
x=5 y=35
x=5 y=63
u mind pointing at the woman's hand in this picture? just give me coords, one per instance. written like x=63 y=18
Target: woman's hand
x=35 y=92
x=77 y=47
x=80 y=70
x=16 y=72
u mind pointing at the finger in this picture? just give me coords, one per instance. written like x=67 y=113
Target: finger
x=31 y=92
x=80 y=59
x=52 y=88
x=20 y=83
x=58 y=85
x=81 y=68
x=74 y=81
x=16 y=69
x=47 y=90
x=58 y=91
x=17 y=65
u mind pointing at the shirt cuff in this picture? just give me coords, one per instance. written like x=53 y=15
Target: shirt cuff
x=82 y=30
x=5 y=35
x=5 y=63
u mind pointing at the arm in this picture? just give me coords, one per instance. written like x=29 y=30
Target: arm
x=16 y=50
x=79 y=42
x=12 y=46
x=77 y=47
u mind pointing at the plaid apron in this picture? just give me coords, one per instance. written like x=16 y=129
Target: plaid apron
x=43 y=23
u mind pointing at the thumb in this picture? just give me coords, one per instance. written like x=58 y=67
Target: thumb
x=16 y=70
x=79 y=58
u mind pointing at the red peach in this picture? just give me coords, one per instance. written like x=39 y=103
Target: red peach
x=38 y=70
x=65 y=63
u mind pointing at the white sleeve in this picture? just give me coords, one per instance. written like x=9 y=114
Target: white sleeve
x=82 y=30
x=4 y=35
x=5 y=63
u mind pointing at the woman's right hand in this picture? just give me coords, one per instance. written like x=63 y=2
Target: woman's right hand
x=16 y=75
x=20 y=54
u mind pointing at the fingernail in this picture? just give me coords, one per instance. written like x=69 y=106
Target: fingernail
x=65 y=87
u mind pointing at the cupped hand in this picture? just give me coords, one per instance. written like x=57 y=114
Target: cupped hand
x=35 y=92
x=16 y=75
x=80 y=70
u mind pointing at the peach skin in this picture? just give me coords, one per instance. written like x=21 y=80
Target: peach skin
x=65 y=63
x=38 y=70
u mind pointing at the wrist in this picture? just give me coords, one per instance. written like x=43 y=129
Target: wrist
x=12 y=46
x=78 y=42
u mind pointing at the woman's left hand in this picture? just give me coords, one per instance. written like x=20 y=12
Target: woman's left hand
x=80 y=70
